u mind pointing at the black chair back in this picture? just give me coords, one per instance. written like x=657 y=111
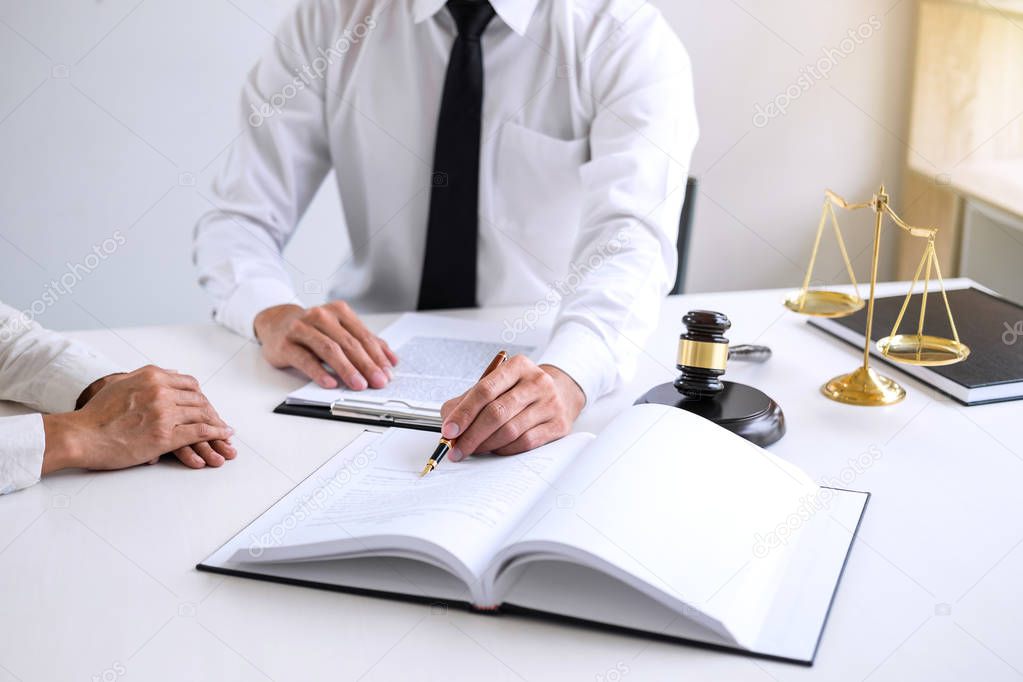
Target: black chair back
x=685 y=228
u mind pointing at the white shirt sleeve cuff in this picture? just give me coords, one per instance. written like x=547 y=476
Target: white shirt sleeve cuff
x=21 y=462
x=63 y=380
x=581 y=354
x=251 y=298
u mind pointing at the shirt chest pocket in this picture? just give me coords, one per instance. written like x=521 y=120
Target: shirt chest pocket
x=538 y=191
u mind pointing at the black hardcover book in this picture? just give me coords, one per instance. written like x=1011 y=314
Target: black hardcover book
x=991 y=326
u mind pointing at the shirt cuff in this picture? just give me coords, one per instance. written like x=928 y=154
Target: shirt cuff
x=250 y=298
x=74 y=370
x=21 y=462
x=581 y=354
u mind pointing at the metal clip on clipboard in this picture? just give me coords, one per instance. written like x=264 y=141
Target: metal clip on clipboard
x=379 y=412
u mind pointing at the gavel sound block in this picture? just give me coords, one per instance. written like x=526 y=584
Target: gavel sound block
x=702 y=355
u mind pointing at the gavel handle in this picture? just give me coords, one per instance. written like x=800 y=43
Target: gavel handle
x=749 y=353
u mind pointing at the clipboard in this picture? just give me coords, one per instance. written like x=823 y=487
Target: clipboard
x=423 y=336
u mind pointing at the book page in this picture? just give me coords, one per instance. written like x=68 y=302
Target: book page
x=370 y=500
x=438 y=358
x=673 y=505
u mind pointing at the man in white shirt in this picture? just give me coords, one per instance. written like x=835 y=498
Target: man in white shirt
x=99 y=417
x=563 y=184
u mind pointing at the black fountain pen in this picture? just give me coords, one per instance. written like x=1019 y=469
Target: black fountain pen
x=445 y=444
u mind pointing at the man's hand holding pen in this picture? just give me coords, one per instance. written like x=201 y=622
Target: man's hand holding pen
x=517 y=407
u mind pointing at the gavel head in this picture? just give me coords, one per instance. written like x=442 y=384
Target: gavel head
x=702 y=354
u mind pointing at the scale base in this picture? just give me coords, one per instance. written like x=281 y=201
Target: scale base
x=742 y=409
x=864 y=386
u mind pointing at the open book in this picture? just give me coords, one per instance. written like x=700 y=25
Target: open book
x=441 y=357
x=666 y=524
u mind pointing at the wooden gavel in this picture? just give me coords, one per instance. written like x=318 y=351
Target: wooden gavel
x=703 y=352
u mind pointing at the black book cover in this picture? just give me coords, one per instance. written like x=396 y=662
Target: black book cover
x=989 y=325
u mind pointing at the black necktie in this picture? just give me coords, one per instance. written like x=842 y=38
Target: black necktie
x=449 y=266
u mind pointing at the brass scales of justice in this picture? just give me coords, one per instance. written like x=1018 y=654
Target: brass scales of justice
x=864 y=386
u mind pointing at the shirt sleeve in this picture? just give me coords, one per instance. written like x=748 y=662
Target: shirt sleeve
x=272 y=171
x=42 y=369
x=47 y=372
x=21 y=462
x=637 y=75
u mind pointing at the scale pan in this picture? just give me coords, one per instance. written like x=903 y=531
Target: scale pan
x=929 y=351
x=823 y=303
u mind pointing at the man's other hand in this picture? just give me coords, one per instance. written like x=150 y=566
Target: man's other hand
x=331 y=335
x=517 y=407
x=196 y=455
x=134 y=418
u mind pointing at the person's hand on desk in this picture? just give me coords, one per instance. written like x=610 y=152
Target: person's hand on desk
x=517 y=407
x=330 y=334
x=129 y=419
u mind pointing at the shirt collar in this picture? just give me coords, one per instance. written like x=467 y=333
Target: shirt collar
x=515 y=13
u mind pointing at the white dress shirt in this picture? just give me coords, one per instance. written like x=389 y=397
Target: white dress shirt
x=47 y=372
x=588 y=126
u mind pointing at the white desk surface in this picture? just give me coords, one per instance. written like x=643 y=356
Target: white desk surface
x=97 y=568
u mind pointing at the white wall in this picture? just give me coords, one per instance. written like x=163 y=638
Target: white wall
x=115 y=114
x=762 y=186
